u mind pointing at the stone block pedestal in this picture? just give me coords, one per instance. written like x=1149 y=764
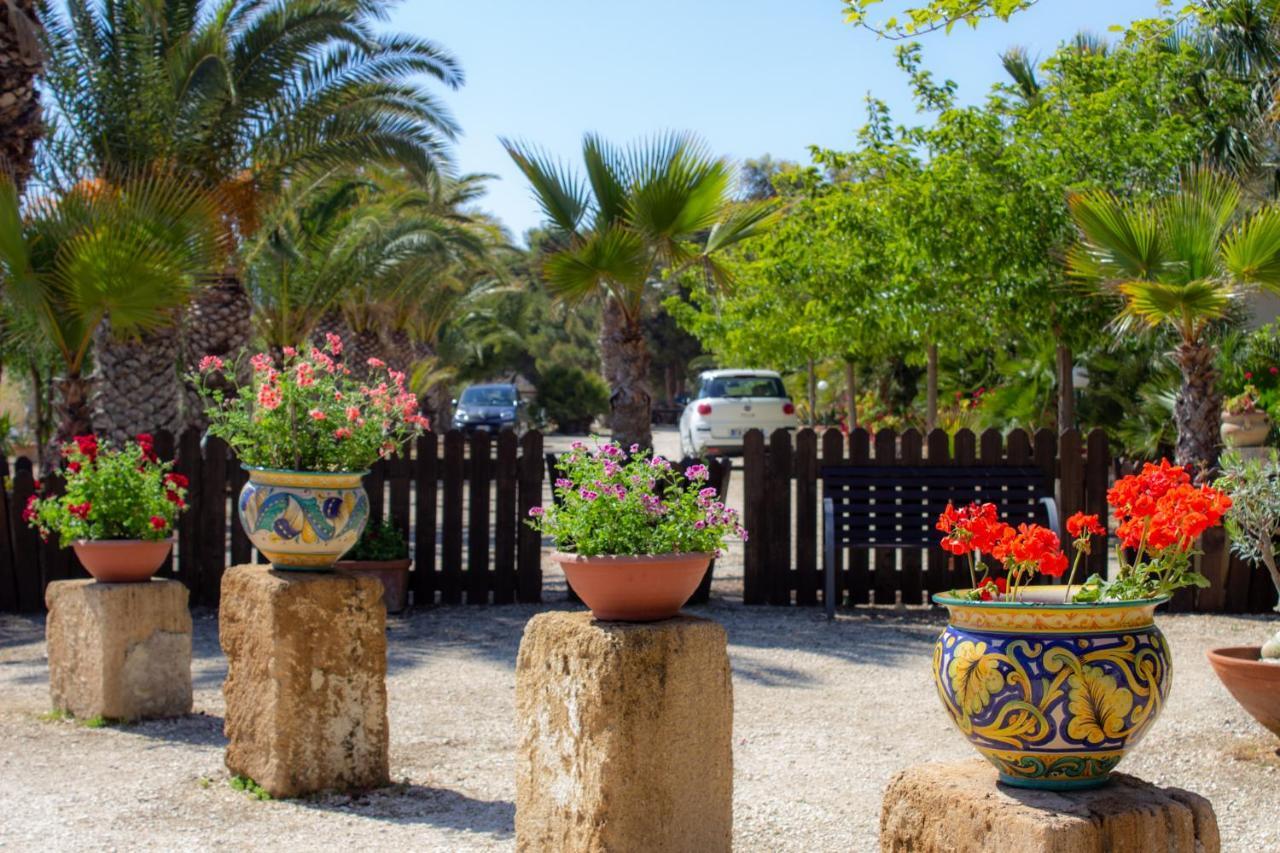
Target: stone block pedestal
x=306 y=685
x=119 y=650
x=626 y=736
x=959 y=808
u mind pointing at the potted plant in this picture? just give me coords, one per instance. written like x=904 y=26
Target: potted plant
x=307 y=432
x=1244 y=424
x=382 y=552
x=633 y=534
x=118 y=508
x=1052 y=684
x=1252 y=673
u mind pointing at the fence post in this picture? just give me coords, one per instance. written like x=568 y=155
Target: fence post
x=778 y=519
x=806 y=477
x=190 y=463
x=528 y=540
x=505 y=520
x=427 y=474
x=939 y=561
x=911 y=581
x=478 y=522
x=832 y=454
x=885 y=560
x=212 y=536
x=1097 y=468
x=451 y=520
x=8 y=574
x=755 y=577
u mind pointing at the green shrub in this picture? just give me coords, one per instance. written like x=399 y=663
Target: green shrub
x=380 y=542
x=572 y=398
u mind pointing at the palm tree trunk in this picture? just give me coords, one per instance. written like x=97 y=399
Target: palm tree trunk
x=137 y=386
x=73 y=414
x=1198 y=410
x=20 y=63
x=625 y=356
x=216 y=322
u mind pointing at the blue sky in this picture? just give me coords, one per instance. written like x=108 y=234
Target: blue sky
x=751 y=76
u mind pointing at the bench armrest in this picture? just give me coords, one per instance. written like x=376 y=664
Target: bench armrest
x=1051 y=510
x=829 y=557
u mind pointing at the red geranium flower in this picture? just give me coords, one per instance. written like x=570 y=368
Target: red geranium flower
x=158 y=523
x=1080 y=525
x=81 y=511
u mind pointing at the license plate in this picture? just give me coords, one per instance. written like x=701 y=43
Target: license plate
x=735 y=433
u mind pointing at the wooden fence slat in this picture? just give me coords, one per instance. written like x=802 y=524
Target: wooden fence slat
x=806 y=477
x=399 y=482
x=1213 y=565
x=375 y=485
x=241 y=547
x=478 y=521
x=939 y=561
x=911 y=578
x=166 y=449
x=755 y=578
x=1097 y=466
x=8 y=574
x=451 y=520
x=212 y=535
x=885 y=580
x=26 y=542
x=990 y=447
x=505 y=521
x=528 y=540
x=1071 y=475
x=833 y=454
x=779 y=521
x=858 y=573
x=427 y=472
x=54 y=565
x=190 y=463
x=1239 y=576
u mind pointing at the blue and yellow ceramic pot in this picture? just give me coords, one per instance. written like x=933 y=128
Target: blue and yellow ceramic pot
x=1052 y=694
x=303 y=520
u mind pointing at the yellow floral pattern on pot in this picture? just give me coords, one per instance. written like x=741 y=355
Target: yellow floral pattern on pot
x=1052 y=710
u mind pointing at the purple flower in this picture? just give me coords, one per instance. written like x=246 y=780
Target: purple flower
x=659 y=462
x=698 y=525
x=621 y=493
x=578 y=445
x=587 y=494
x=536 y=511
x=610 y=468
x=635 y=448
x=708 y=492
x=562 y=483
x=696 y=472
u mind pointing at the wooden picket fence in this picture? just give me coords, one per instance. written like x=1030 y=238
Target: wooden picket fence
x=458 y=499
x=783 y=510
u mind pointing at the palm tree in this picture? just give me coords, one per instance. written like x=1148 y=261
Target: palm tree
x=128 y=252
x=1181 y=261
x=20 y=64
x=246 y=97
x=664 y=203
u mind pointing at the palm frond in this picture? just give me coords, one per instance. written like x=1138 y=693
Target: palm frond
x=559 y=192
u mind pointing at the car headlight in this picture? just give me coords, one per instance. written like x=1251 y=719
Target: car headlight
x=508 y=416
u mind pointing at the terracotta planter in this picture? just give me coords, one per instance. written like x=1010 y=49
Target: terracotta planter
x=1254 y=684
x=1052 y=694
x=122 y=560
x=634 y=589
x=1246 y=430
x=392 y=574
x=303 y=520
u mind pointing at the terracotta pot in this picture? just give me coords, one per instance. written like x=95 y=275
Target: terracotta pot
x=1052 y=694
x=1254 y=684
x=122 y=560
x=1245 y=430
x=303 y=520
x=392 y=574
x=634 y=589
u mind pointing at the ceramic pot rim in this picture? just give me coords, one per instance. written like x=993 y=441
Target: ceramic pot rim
x=121 y=543
x=630 y=559
x=1225 y=655
x=300 y=473
x=1038 y=606
x=400 y=565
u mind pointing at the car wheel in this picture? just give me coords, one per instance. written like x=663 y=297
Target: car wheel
x=686 y=447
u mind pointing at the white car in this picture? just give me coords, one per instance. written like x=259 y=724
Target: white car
x=730 y=402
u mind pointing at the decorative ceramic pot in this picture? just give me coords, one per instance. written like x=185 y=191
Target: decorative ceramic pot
x=122 y=560
x=634 y=589
x=1254 y=683
x=303 y=520
x=1245 y=430
x=1052 y=694
x=392 y=574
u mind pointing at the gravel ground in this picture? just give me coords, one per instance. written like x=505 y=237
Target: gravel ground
x=824 y=714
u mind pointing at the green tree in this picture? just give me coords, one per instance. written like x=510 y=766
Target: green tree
x=658 y=206
x=1180 y=261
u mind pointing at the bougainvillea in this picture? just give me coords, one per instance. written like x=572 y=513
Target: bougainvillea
x=125 y=493
x=306 y=412
x=609 y=501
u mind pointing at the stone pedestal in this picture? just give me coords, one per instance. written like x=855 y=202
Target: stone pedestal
x=959 y=808
x=306 y=684
x=119 y=650
x=626 y=736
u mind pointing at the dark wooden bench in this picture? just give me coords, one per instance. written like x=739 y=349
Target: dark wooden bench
x=881 y=506
x=719 y=469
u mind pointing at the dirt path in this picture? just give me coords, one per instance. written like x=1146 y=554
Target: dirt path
x=824 y=714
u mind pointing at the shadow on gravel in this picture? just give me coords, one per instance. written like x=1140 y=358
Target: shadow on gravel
x=197 y=729
x=409 y=804
x=17 y=630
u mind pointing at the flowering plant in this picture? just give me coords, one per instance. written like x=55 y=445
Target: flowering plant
x=307 y=412
x=125 y=493
x=1244 y=403
x=615 y=503
x=1160 y=516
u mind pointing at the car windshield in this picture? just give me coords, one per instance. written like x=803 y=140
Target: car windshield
x=721 y=387
x=489 y=395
